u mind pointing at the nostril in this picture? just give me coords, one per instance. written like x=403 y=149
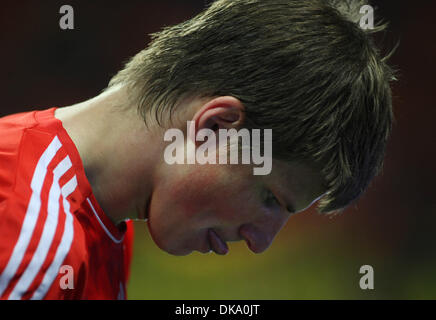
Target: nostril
x=256 y=240
x=249 y=244
x=249 y=237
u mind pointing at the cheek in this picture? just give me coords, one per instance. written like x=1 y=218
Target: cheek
x=211 y=194
x=236 y=203
x=195 y=192
x=237 y=207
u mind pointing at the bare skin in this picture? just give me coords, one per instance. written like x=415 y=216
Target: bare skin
x=187 y=207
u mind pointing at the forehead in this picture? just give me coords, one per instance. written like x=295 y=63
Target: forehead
x=296 y=183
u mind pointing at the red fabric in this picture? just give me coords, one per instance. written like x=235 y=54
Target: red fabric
x=128 y=248
x=51 y=225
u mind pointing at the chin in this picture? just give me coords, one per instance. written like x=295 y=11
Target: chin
x=177 y=252
x=171 y=248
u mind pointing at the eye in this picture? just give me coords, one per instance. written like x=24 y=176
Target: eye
x=270 y=199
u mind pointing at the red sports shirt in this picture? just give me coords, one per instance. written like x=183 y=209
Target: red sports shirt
x=55 y=240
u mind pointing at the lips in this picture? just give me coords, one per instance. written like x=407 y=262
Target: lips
x=216 y=243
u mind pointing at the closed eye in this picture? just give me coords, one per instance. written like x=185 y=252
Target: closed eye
x=271 y=200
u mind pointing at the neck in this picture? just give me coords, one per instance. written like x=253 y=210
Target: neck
x=117 y=150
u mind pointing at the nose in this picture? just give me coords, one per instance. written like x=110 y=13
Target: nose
x=257 y=240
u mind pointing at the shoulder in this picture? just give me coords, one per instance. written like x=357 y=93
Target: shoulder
x=40 y=235
x=26 y=158
x=12 y=129
x=36 y=222
x=21 y=146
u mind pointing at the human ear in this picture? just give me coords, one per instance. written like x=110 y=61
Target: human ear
x=224 y=112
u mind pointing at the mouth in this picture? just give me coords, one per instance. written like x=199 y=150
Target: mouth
x=216 y=244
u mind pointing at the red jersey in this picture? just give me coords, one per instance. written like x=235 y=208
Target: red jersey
x=56 y=241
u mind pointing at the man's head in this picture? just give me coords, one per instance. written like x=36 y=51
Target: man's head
x=304 y=69
x=190 y=200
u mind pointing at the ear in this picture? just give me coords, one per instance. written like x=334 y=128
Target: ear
x=220 y=113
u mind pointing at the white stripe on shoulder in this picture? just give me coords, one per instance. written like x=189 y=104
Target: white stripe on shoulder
x=103 y=226
x=50 y=226
x=31 y=216
x=63 y=248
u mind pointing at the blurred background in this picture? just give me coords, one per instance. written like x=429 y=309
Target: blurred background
x=392 y=227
